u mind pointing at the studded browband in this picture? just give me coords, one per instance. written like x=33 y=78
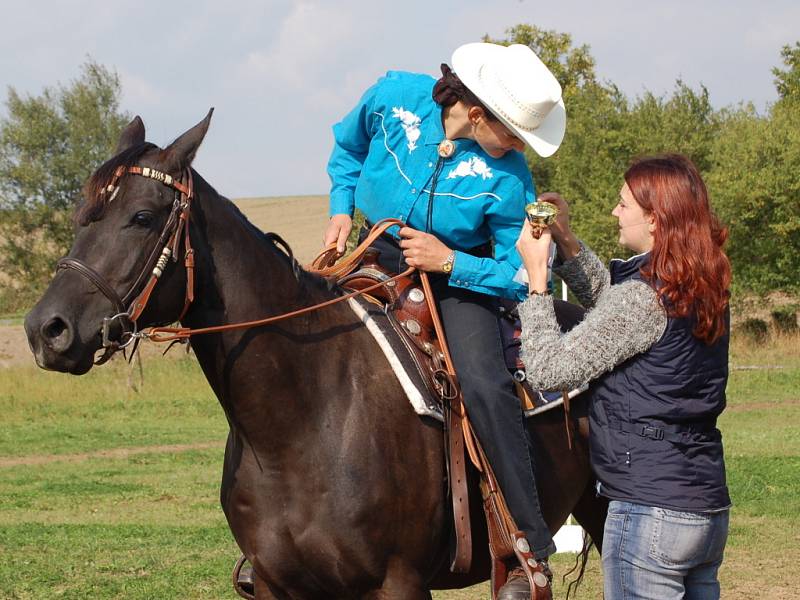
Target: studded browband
x=151 y=173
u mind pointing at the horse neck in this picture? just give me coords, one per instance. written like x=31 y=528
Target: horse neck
x=243 y=276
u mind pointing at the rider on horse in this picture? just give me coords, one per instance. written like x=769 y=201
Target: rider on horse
x=446 y=157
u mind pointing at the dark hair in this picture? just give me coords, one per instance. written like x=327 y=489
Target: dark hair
x=449 y=89
x=94 y=198
x=687 y=262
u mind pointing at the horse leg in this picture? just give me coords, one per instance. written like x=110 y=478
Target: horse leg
x=261 y=589
x=590 y=512
x=402 y=582
x=393 y=593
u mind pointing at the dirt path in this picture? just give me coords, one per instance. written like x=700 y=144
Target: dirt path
x=45 y=459
x=14 y=349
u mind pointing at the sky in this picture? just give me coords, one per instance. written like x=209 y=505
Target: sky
x=280 y=73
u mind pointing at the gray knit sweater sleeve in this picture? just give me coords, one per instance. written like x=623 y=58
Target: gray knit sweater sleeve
x=627 y=319
x=584 y=275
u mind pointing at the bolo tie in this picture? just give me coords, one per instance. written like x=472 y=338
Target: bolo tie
x=446 y=149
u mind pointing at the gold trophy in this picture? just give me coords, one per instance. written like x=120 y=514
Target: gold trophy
x=540 y=215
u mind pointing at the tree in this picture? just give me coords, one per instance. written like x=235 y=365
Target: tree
x=587 y=162
x=605 y=131
x=755 y=183
x=788 y=82
x=49 y=144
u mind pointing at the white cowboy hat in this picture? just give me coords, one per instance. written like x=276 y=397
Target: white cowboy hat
x=518 y=88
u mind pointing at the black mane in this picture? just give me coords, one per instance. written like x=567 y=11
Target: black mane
x=304 y=277
x=95 y=199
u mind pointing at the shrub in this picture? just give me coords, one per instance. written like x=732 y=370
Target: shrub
x=784 y=319
x=756 y=330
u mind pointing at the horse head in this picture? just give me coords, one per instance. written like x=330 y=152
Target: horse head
x=123 y=224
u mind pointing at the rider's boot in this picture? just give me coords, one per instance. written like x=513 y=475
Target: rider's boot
x=518 y=588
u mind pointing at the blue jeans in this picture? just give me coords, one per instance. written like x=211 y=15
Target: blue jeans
x=652 y=553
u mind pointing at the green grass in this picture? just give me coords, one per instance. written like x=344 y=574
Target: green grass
x=149 y=525
x=53 y=413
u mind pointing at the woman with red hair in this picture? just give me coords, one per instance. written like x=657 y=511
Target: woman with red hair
x=654 y=345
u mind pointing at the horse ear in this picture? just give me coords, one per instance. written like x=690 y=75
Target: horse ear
x=180 y=153
x=132 y=135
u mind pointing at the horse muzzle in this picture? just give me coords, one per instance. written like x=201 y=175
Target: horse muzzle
x=56 y=344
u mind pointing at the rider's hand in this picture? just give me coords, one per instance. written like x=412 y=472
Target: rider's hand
x=338 y=230
x=534 y=253
x=563 y=236
x=423 y=250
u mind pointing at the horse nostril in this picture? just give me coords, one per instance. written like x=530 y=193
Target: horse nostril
x=53 y=328
x=57 y=334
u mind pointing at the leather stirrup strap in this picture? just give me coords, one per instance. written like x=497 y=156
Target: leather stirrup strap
x=462 y=552
x=507 y=544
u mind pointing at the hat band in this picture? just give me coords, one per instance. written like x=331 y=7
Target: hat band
x=539 y=116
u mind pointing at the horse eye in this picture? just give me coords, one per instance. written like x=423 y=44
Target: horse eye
x=142 y=218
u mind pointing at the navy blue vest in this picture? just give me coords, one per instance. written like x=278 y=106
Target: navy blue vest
x=654 y=439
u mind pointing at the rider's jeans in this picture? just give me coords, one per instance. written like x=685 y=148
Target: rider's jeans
x=652 y=553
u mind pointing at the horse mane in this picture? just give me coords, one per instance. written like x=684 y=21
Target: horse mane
x=95 y=199
x=306 y=279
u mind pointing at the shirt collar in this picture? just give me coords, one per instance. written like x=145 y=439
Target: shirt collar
x=433 y=131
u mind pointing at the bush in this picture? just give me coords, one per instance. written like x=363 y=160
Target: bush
x=756 y=330
x=784 y=319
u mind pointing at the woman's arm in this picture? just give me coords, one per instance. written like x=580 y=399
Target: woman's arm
x=575 y=263
x=627 y=320
x=352 y=136
x=584 y=274
x=495 y=275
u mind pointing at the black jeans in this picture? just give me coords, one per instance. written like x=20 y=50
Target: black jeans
x=471 y=325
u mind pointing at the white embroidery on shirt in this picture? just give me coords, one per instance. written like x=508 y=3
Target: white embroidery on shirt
x=410 y=123
x=473 y=167
x=389 y=150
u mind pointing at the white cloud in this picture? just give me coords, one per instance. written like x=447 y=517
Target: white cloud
x=309 y=40
x=769 y=30
x=138 y=91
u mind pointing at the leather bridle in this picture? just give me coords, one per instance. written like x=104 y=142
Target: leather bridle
x=128 y=309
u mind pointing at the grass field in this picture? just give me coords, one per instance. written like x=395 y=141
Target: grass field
x=106 y=492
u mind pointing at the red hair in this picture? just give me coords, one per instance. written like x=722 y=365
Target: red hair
x=687 y=264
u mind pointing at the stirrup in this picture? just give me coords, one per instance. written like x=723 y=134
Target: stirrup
x=242 y=577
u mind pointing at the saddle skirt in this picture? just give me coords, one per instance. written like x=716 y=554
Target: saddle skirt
x=398 y=317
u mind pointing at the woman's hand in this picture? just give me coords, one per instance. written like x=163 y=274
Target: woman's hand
x=338 y=230
x=563 y=236
x=423 y=250
x=534 y=253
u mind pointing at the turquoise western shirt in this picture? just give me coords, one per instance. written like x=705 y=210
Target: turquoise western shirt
x=384 y=160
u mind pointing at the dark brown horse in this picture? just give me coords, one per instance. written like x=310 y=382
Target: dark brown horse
x=333 y=487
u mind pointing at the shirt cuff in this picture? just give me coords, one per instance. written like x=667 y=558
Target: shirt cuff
x=341 y=203
x=464 y=269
